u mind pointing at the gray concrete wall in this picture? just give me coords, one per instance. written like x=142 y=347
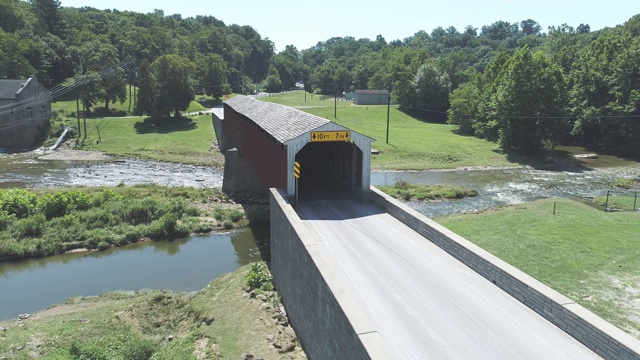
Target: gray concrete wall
x=224 y=141
x=596 y=334
x=238 y=174
x=318 y=301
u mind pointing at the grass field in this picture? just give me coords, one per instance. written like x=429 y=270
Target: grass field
x=185 y=140
x=413 y=144
x=589 y=255
x=68 y=108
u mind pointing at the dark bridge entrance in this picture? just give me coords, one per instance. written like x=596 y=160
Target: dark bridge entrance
x=329 y=170
x=262 y=141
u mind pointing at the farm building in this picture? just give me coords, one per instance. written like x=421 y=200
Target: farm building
x=25 y=110
x=371 y=97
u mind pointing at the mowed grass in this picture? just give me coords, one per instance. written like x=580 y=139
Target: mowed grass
x=68 y=108
x=185 y=140
x=584 y=253
x=413 y=144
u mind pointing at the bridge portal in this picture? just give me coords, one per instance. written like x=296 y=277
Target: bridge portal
x=262 y=140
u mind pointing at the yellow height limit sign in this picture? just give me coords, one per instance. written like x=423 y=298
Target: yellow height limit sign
x=296 y=170
x=324 y=136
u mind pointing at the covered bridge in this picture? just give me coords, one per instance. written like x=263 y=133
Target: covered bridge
x=262 y=140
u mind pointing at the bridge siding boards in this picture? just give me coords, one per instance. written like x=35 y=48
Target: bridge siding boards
x=250 y=122
x=266 y=156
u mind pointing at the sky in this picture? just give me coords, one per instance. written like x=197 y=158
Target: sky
x=305 y=23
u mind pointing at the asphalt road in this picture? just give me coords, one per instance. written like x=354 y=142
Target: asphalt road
x=425 y=303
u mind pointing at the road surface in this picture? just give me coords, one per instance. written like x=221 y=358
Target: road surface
x=425 y=303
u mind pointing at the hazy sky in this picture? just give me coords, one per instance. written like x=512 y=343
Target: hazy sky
x=304 y=23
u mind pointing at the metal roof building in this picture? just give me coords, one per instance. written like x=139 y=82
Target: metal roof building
x=271 y=137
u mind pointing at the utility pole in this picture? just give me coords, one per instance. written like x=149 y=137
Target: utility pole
x=78 y=107
x=388 y=110
x=335 y=106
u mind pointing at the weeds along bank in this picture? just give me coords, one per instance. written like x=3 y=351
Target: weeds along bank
x=35 y=223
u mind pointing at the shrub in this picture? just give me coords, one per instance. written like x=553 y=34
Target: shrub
x=235 y=215
x=259 y=277
x=98 y=218
x=106 y=196
x=18 y=202
x=78 y=200
x=28 y=227
x=52 y=205
x=5 y=219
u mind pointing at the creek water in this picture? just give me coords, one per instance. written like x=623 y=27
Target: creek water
x=190 y=264
x=181 y=265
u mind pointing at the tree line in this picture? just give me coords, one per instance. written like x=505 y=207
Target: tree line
x=506 y=82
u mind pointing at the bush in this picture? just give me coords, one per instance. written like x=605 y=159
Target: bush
x=106 y=196
x=259 y=277
x=228 y=224
x=28 y=227
x=78 y=200
x=18 y=202
x=52 y=205
x=5 y=219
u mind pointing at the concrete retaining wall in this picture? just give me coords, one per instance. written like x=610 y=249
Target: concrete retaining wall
x=596 y=334
x=320 y=306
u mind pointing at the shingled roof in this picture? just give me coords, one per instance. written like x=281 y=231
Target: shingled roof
x=9 y=88
x=282 y=122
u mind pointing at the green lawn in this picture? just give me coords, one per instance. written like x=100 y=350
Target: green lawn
x=589 y=255
x=413 y=144
x=186 y=140
x=68 y=108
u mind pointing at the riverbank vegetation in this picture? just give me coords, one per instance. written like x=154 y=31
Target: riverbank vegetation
x=403 y=190
x=36 y=223
x=589 y=255
x=158 y=324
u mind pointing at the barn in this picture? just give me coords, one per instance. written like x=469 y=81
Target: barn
x=371 y=97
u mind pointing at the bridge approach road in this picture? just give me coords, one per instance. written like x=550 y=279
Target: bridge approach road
x=425 y=303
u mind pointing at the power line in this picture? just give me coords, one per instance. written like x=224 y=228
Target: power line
x=58 y=91
x=517 y=117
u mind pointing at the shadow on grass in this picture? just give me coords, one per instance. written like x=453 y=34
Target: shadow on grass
x=164 y=125
x=432 y=117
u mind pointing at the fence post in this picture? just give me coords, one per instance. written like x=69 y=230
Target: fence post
x=606 y=203
x=554 y=208
x=635 y=200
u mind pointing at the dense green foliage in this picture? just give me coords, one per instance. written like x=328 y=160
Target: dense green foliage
x=58 y=221
x=506 y=82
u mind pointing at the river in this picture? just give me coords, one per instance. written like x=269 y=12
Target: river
x=190 y=264
x=180 y=265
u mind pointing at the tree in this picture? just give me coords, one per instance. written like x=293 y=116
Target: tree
x=431 y=91
x=273 y=83
x=289 y=65
x=172 y=91
x=465 y=107
x=211 y=75
x=529 y=89
x=146 y=85
x=48 y=14
x=530 y=27
x=97 y=65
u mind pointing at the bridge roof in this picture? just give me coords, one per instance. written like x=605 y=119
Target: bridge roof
x=282 y=122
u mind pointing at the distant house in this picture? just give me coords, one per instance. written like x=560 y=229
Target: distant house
x=25 y=111
x=371 y=97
